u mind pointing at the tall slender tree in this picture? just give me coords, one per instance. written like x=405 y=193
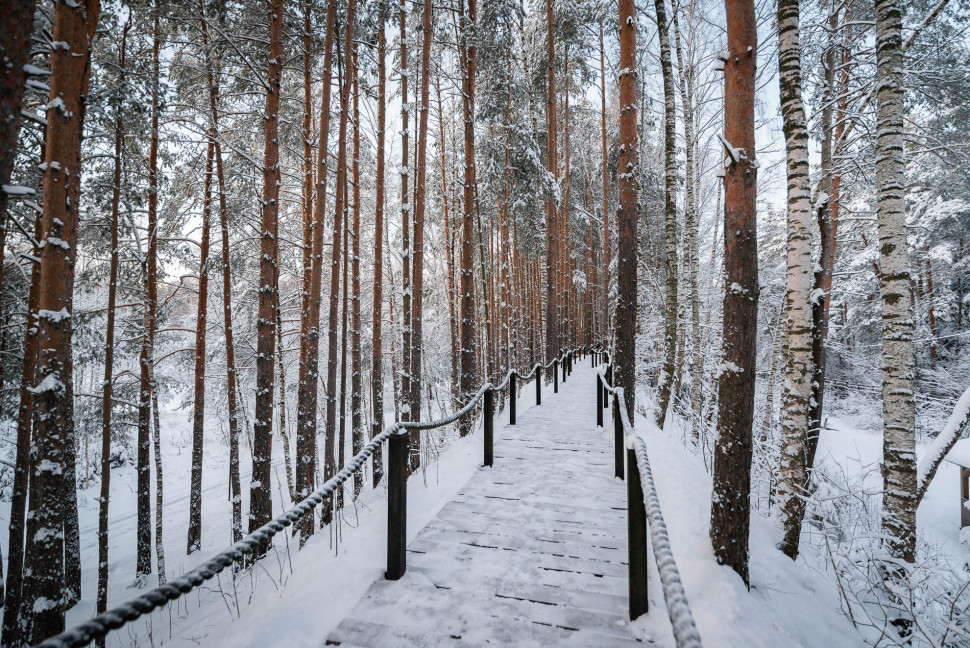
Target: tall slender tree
x=672 y=266
x=420 y=190
x=377 y=356
x=340 y=209
x=143 y=537
x=898 y=364
x=306 y=409
x=627 y=215
x=797 y=310
x=260 y=493
x=552 y=167
x=467 y=54
x=730 y=509
x=194 y=536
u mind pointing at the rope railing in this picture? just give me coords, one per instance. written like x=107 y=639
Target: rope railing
x=643 y=511
x=397 y=437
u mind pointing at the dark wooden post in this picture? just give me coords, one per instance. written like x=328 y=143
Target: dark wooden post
x=555 y=376
x=512 y=395
x=488 y=425
x=565 y=361
x=539 y=385
x=397 y=506
x=637 y=538
x=599 y=401
x=618 y=440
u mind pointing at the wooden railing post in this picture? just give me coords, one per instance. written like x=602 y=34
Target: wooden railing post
x=617 y=438
x=397 y=506
x=539 y=385
x=487 y=414
x=512 y=394
x=555 y=375
x=599 y=400
x=637 y=538
x=565 y=360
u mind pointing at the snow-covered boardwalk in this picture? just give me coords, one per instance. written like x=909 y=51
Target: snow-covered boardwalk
x=530 y=552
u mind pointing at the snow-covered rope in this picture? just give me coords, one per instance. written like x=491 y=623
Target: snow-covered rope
x=99 y=626
x=675 y=598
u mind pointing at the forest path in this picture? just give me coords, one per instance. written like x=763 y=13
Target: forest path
x=530 y=552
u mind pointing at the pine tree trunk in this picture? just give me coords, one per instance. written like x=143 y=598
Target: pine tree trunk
x=15 y=34
x=194 y=537
x=260 y=493
x=417 y=283
x=44 y=566
x=15 y=621
x=552 y=167
x=356 y=406
x=107 y=386
x=330 y=457
x=797 y=381
x=467 y=60
x=672 y=266
x=405 y=227
x=449 y=258
x=143 y=536
x=606 y=192
x=730 y=510
x=899 y=410
x=235 y=486
x=377 y=357
x=307 y=390
x=627 y=259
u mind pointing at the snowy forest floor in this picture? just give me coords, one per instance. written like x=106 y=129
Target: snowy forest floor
x=297 y=597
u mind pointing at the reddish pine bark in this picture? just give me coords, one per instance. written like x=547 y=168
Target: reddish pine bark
x=467 y=55
x=260 y=494
x=377 y=358
x=330 y=457
x=417 y=300
x=730 y=511
x=74 y=25
x=626 y=270
x=306 y=410
x=552 y=166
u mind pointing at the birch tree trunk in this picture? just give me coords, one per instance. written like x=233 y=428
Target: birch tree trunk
x=899 y=410
x=672 y=265
x=797 y=374
x=731 y=505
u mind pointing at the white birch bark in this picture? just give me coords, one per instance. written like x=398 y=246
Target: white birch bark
x=797 y=385
x=899 y=411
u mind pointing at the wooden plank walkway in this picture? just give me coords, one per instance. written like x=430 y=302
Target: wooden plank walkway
x=532 y=552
